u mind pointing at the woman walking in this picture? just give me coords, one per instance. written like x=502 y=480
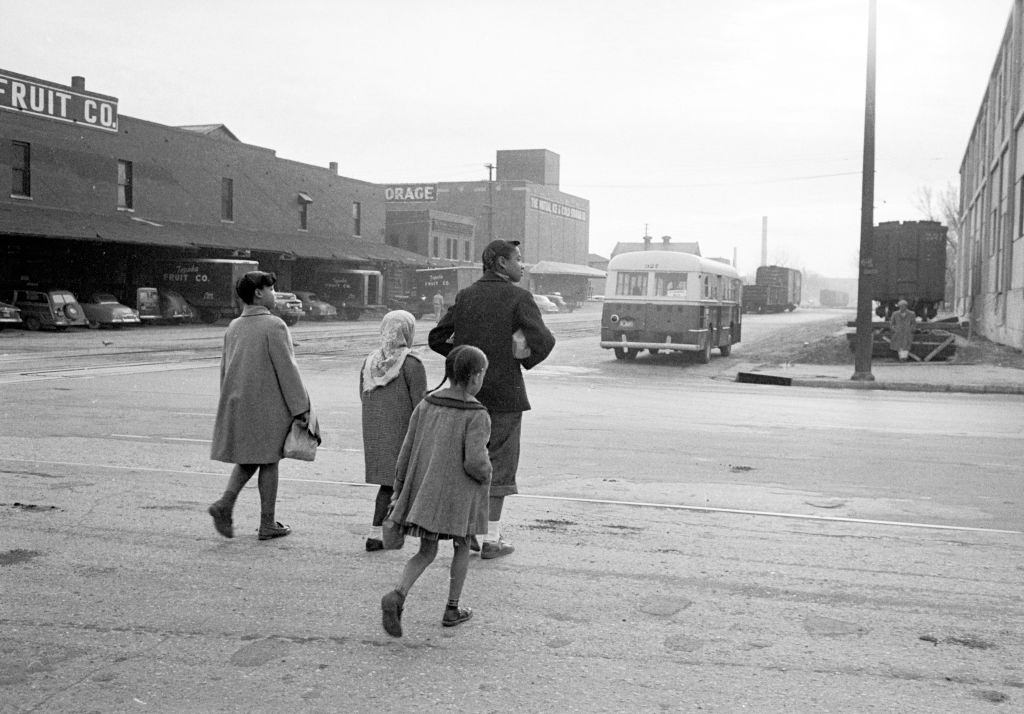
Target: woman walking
x=261 y=392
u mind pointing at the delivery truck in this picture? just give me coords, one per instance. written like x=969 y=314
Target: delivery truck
x=207 y=284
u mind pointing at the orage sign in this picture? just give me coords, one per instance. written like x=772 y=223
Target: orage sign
x=411 y=192
x=56 y=101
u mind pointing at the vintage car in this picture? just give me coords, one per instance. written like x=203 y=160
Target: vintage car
x=174 y=308
x=288 y=308
x=315 y=308
x=9 y=315
x=104 y=310
x=559 y=301
x=146 y=302
x=45 y=307
x=545 y=304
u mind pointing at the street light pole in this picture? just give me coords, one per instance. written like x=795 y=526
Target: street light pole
x=864 y=338
x=490 y=201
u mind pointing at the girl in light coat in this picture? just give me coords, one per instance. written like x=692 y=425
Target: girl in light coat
x=441 y=482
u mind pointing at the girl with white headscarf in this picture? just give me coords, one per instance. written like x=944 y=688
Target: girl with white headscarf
x=391 y=383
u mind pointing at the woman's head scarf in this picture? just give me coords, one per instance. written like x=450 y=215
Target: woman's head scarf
x=397 y=330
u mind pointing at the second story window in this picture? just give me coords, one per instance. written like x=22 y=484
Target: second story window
x=357 y=218
x=227 y=199
x=304 y=200
x=124 y=184
x=21 y=169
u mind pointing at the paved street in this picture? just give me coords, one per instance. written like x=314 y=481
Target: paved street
x=684 y=543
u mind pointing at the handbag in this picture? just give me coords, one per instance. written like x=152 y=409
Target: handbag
x=392 y=534
x=520 y=350
x=303 y=438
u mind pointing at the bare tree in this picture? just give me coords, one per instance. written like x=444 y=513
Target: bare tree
x=944 y=206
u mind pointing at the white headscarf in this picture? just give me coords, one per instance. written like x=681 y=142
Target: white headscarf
x=385 y=363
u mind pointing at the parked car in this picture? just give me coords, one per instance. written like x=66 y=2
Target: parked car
x=559 y=301
x=146 y=302
x=314 y=308
x=545 y=304
x=174 y=308
x=288 y=308
x=41 y=307
x=104 y=310
x=9 y=315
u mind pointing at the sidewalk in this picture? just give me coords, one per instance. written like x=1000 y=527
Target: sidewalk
x=889 y=374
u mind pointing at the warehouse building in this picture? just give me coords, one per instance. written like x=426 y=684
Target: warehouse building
x=989 y=259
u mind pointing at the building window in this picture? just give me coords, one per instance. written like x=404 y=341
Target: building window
x=357 y=218
x=21 y=169
x=227 y=199
x=124 y=184
x=468 y=250
x=437 y=247
x=304 y=200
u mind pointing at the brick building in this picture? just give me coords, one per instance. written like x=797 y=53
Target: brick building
x=95 y=198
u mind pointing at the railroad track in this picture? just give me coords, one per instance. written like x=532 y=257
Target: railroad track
x=42 y=355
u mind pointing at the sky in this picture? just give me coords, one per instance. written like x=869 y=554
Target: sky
x=687 y=118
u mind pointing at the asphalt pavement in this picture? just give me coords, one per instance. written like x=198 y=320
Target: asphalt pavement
x=118 y=596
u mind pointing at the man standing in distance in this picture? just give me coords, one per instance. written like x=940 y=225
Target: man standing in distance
x=486 y=315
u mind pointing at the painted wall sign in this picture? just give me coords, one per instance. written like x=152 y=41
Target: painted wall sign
x=411 y=192
x=56 y=101
x=558 y=209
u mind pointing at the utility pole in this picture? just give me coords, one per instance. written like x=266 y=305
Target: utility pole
x=490 y=201
x=863 y=343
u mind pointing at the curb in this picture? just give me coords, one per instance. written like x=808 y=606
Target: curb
x=770 y=379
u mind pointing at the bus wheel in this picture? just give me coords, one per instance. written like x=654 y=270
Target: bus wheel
x=704 y=356
x=631 y=353
x=653 y=351
x=725 y=350
x=620 y=353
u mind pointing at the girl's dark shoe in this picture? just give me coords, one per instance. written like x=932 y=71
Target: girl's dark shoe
x=391 y=610
x=456 y=616
x=222 y=520
x=373 y=544
x=278 y=530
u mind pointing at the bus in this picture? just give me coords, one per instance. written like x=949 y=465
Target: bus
x=664 y=301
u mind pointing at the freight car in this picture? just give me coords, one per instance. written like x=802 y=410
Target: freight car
x=775 y=289
x=910 y=264
x=833 y=298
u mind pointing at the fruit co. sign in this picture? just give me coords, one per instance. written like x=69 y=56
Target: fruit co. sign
x=56 y=101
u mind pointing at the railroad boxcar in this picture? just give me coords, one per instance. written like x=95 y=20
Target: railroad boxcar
x=910 y=264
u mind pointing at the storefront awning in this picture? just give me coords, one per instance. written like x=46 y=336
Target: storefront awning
x=550 y=267
x=125 y=227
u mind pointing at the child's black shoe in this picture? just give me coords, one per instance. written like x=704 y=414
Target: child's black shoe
x=456 y=616
x=391 y=610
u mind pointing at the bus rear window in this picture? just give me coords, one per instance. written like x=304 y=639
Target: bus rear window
x=670 y=284
x=631 y=284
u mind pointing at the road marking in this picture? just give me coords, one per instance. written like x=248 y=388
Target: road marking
x=570 y=499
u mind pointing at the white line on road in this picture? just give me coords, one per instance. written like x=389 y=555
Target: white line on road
x=572 y=499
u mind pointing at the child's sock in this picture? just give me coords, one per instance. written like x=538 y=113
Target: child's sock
x=453 y=604
x=376 y=532
x=493 y=531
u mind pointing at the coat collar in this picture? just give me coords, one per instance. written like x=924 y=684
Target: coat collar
x=442 y=401
x=250 y=310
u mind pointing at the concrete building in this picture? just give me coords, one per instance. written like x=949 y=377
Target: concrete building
x=989 y=260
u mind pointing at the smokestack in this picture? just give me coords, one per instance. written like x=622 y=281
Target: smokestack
x=647 y=242
x=734 y=256
x=334 y=167
x=665 y=240
x=764 y=240
x=78 y=83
